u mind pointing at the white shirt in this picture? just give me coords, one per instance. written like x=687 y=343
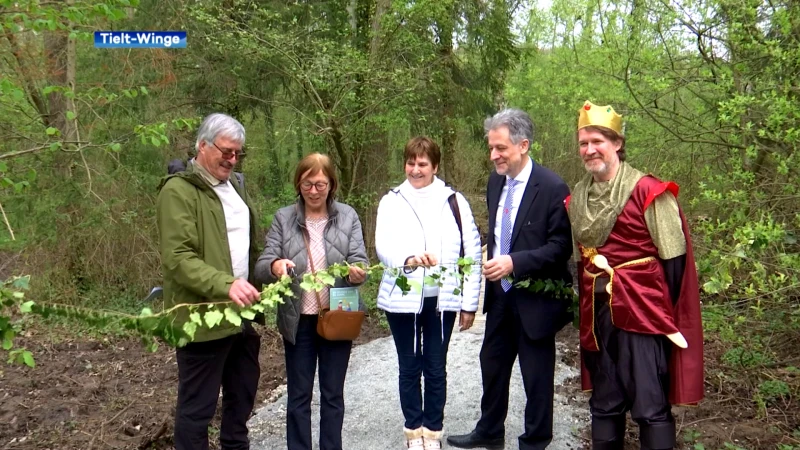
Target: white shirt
x=522 y=182
x=237 y=221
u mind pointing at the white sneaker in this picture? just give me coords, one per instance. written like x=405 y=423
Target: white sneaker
x=431 y=440
x=414 y=439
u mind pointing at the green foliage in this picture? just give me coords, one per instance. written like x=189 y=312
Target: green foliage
x=772 y=390
x=731 y=446
x=558 y=289
x=692 y=436
x=745 y=358
x=12 y=300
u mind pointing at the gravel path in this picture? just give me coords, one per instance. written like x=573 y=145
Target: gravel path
x=373 y=420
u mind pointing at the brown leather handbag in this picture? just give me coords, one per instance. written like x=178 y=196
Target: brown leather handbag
x=335 y=325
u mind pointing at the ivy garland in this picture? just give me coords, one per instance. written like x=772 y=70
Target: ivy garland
x=161 y=325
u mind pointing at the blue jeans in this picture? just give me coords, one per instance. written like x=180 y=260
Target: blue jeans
x=301 y=367
x=430 y=359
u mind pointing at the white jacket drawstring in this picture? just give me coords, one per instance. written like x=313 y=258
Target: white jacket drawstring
x=415 y=334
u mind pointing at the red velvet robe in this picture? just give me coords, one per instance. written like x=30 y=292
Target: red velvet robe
x=640 y=300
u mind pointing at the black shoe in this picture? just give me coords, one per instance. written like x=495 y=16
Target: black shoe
x=475 y=440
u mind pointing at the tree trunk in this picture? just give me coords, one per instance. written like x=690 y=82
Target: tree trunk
x=447 y=92
x=59 y=53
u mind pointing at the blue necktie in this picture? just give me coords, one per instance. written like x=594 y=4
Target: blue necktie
x=506 y=229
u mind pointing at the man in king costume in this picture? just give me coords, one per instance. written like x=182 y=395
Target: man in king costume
x=640 y=328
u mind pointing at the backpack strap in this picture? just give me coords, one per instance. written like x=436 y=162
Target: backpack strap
x=457 y=214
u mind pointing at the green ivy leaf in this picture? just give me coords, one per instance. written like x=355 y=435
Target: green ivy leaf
x=213 y=318
x=27 y=306
x=70 y=115
x=146 y=312
x=248 y=314
x=51 y=131
x=326 y=278
x=456 y=291
x=402 y=284
x=152 y=346
x=27 y=358
x=195 y=318
x=338 y=270
x=8 y=339
x=156 y=142
x=190 y=328
x=233 y=317
x=115 y=147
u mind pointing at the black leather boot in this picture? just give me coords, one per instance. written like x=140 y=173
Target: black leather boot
x=657 y=436
x=608 y=433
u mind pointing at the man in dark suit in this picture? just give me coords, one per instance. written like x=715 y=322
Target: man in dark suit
x=530 y=238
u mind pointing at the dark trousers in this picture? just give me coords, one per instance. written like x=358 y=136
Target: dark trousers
x=629 y=373
x=301 y=366
x=504 y=339
x=430 y=330
x=204 y=367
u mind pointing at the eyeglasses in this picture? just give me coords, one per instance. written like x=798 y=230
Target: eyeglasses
x=229 y=154
x=320 y=185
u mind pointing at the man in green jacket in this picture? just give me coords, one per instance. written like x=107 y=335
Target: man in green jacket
x=208 y=253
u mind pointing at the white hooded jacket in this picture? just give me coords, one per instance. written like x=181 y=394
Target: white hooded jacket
x=400 y=233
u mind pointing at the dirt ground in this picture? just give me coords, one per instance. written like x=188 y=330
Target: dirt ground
x=106 y=393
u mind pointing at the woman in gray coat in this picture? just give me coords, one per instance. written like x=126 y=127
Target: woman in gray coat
x=333 y=233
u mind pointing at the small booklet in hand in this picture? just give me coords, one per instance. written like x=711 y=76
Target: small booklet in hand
x=344 y=299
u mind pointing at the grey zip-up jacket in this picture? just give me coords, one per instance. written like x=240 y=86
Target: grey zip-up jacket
x=343 y=239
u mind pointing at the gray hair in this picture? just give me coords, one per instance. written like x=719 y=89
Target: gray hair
x=219 y=124
x=518 y=122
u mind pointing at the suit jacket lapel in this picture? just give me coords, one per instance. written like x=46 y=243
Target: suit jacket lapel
x=493 y=191
x=531 y=189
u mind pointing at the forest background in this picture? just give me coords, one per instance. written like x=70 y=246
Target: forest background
x=708 y=89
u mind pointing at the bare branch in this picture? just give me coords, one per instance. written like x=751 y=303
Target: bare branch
x=8 y=225
x=22 y=152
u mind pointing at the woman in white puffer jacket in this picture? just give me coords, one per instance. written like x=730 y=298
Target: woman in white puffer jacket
x=417 y=229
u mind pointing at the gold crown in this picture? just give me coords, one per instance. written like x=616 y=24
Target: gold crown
x=601 y=116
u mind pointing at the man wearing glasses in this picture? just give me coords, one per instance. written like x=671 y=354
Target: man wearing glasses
x=208 y=253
